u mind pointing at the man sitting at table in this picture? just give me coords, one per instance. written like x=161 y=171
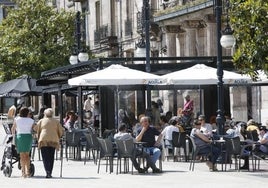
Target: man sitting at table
x=123 y=135
x=205 y=145
x=147 y=134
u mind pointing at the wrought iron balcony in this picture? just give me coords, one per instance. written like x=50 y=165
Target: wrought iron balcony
x=105 y=36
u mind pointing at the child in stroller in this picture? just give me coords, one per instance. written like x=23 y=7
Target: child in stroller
x=10 y=156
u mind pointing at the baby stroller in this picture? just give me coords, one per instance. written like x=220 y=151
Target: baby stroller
x=10 y=156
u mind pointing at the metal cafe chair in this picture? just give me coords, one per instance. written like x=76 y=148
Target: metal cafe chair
x=167 y=149
x=106 y=152
x=252 y=135
x=74 y=144
x=179 y=141
x=237 y=150
x=232 y=150
x=125 y=151
x=92 y=145
x=194 y=153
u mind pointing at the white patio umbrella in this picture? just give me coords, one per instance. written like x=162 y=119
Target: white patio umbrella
x=262 y=79
x=204 y=75
x=116 y=75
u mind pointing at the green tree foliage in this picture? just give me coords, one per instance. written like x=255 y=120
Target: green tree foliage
x=249 y=19
x=34 y=38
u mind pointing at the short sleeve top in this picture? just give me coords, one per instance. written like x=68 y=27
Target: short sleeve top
x=24 y=125
x=149 y=136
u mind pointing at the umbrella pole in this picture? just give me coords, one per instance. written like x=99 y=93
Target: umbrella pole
x=200 y=100
x=117 y=108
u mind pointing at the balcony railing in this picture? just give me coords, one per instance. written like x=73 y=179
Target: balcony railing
x=104 y=36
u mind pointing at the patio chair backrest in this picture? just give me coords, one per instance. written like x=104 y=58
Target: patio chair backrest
x=192 y=144
x=252 y=135
x=106 y=147
x=125 y=148
x=92 y=141
x=233 y=145
x=74 y=138
x=179 y=139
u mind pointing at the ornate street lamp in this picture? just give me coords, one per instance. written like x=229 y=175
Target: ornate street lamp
x=146 y=11
x=78 y=54
x=228 y=42
x=227 y=39
x=143 y=45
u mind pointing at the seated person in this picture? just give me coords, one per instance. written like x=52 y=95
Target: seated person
x=263 y=141
x=166 y=133
x=203 y=142
x=137 y=126
x=252 y=125
x=233 y=130
x=252 y=130
x=205 y=128
x=123 y=135
x=147 y=134
x=72 y=122
x=67 y=116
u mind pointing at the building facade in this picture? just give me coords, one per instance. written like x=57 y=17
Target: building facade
x=177 y=28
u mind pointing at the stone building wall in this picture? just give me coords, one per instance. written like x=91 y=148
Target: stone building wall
x=191 y=34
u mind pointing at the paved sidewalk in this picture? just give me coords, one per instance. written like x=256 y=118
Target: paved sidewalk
x=176 y=174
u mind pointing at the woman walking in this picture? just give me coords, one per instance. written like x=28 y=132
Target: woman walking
x=22 y=128
x=49 y=132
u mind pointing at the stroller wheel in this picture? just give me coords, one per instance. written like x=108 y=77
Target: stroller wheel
x=19 y=166
x=32 y=169
x=7 y=171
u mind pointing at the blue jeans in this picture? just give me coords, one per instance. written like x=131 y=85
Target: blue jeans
x=153 y=152
x=215 y=152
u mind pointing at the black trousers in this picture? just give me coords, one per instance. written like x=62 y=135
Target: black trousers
x=48 y=154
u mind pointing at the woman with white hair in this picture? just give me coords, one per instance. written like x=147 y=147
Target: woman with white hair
x=49 y=131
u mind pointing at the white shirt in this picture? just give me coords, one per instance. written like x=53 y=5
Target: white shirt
x=123 y=136
x=206 y=129
x=264 y=147
x=24 y=125
x=167 y=132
